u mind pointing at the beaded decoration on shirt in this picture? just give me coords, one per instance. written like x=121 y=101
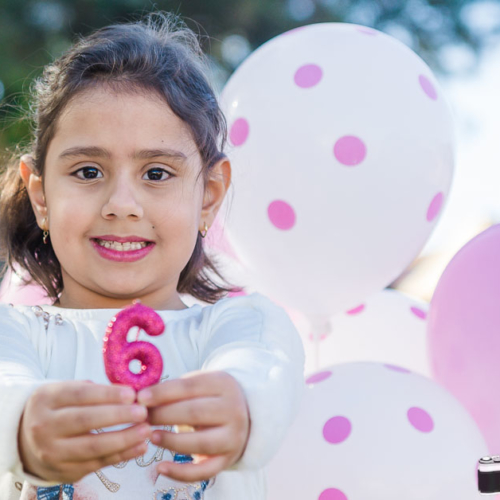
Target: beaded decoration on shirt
x=39 y=312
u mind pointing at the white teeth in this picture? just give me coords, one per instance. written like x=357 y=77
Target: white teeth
x=122 y=247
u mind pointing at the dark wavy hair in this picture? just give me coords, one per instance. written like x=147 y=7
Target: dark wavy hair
x=157 y=54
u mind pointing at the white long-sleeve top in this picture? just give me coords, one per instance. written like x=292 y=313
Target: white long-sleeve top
x=249 y=337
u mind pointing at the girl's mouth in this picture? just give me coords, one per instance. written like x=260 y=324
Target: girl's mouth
x=122 y=247
x=128 y=251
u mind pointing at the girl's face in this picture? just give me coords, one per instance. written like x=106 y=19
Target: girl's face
x=124 y=199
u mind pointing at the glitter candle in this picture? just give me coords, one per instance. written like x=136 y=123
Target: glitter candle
x=118 y=352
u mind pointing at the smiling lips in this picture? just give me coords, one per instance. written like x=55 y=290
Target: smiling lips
x=120 y=249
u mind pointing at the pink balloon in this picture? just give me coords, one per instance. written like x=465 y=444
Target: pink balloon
x=464 y=331
x=217 y=239
x=118 y=352
x=13 y=291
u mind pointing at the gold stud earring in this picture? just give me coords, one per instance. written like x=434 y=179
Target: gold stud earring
x=45 y=231
x=206 y=230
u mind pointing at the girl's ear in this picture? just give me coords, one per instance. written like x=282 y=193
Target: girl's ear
x=34 y=187
x=215 y=191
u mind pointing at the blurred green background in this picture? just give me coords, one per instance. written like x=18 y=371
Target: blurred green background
x=33 y=32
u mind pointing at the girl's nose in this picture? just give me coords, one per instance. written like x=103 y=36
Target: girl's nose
x=122 y=202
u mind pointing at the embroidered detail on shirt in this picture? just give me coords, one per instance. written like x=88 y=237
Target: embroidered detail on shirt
x=39 y=312
x=188 y=492
x=157 y=457
x=182 y=459
x=58 y=492
x=140 y=461
x=108 y=484
x=191 y=491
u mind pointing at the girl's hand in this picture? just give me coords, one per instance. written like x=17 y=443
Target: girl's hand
x=55 y=438
x=211 y=402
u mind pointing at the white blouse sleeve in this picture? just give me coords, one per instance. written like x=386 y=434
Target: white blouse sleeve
x=255 y=341
x=23 y=355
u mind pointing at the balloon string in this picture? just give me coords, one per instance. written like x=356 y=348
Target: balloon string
x=316 y=337
x=320 y=329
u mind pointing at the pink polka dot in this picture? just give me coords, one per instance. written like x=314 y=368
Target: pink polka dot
x=337 y=429
x=239 y=132
x=281 y=214
x=349 y=150
x=397 y=368
x=366 y=31
x=435 y=207
x=332 y=494
x=420 y=419
x=427 y=87
x=318 y=377
x=419 y=313
x=308 y=76
x=356 y=310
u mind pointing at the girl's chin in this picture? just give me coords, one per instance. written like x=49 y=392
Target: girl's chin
x=96 y=287
x=122 y=293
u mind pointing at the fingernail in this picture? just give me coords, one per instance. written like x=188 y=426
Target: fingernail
x=145 y=396
x=155 y=438
x=162 y=469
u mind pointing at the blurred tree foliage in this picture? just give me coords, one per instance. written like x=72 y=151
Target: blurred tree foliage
x=33 y=32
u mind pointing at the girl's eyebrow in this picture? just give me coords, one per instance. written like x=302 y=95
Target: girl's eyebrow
x=143 y=154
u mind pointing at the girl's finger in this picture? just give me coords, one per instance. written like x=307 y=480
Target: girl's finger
x=189 y=472
x=200 y=411
x=213 y=441
x=74 y=421
x=193 y=385
x=134 y=452
x=73 y=470
x=77 y=393
x=94 y=447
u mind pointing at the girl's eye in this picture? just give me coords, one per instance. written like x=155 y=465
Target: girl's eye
x=157 y=174
x=88 y=173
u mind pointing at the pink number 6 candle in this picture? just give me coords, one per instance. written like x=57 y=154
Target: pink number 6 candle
x=118 y=352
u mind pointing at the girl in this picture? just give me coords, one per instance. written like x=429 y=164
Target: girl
x=122 y=181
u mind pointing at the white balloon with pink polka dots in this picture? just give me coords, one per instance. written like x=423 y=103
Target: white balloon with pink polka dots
x=388 y=327
x=377 y=431
x=343 y=149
